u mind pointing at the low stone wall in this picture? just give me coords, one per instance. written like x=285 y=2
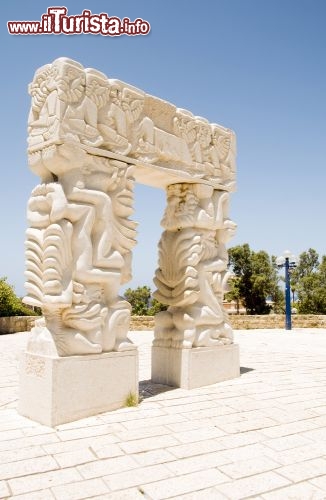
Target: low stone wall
x=244 y=322
x=14 y=324
x=142 y=323
x=247 y=322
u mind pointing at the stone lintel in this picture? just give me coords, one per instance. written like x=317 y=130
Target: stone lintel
x=73 y=104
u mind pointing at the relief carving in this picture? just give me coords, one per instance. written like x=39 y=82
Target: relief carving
x=194 y=280
x=35 y=366
x=83 y=106
x=88 y=136
x=78 y=253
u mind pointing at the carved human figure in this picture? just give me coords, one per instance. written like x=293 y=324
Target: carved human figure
x=44 y=116
x=60 y=109
x=185 y=126
x=78 y=254
x=223 y=148
x=203 y=145
x=141 y=128
x=79 y=121
x=193 y=282
x=112 y=121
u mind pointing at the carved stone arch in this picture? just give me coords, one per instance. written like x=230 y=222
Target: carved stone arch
x=90 y=138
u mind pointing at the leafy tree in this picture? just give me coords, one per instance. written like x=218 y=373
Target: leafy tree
x=156 y=307
x=139 y=299
x=256 y=278
x=276 y=294
x=234 y=291
x=311 y=286
x=10 y=304
x=142 y=303
x=307 y=265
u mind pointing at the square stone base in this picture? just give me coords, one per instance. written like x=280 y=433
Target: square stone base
x=56 y=390
x=191 y=368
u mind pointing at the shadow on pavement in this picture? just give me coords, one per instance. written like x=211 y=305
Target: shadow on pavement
x=147 y=389
x=243 y=370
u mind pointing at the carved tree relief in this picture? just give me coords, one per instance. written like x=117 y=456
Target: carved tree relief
x=192 y=274
x=78 y=253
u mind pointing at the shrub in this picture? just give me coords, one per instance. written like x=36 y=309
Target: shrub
x=10 y=304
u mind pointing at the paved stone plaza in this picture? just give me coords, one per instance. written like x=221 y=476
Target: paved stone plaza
x=262 y=435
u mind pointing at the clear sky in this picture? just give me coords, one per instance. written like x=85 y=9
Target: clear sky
x=256 y=66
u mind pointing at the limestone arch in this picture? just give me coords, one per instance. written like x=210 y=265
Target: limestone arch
x=90 y=138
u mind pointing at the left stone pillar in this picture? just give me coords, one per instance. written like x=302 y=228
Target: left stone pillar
x=78 y=361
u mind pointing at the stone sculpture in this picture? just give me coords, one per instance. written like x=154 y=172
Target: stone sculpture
x=78 y=255
x=90 y=138
x=71 y=104
x=193 y=281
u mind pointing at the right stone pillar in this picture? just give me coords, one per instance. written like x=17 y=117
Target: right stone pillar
x=193 y=340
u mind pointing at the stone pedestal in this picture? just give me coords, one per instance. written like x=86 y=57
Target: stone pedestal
x=56 y=390
x=197 y=367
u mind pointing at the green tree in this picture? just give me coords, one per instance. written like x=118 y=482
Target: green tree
x=139 y=299
x=10 y=304
x=256 y=278
x=156 y=307
x=311 y=286
x=142 y=303
x=234 y=291
x=308 y=264
x=276 y=294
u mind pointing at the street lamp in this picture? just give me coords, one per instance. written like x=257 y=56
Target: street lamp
x=288 y=261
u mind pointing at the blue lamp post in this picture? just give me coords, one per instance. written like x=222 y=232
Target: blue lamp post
x=288 y=261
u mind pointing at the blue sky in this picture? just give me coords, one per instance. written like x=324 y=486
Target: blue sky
x=256 y=66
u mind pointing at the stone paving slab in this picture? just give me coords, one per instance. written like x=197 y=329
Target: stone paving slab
x=261 y=436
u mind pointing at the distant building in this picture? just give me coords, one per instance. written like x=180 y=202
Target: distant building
x=234 y=307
